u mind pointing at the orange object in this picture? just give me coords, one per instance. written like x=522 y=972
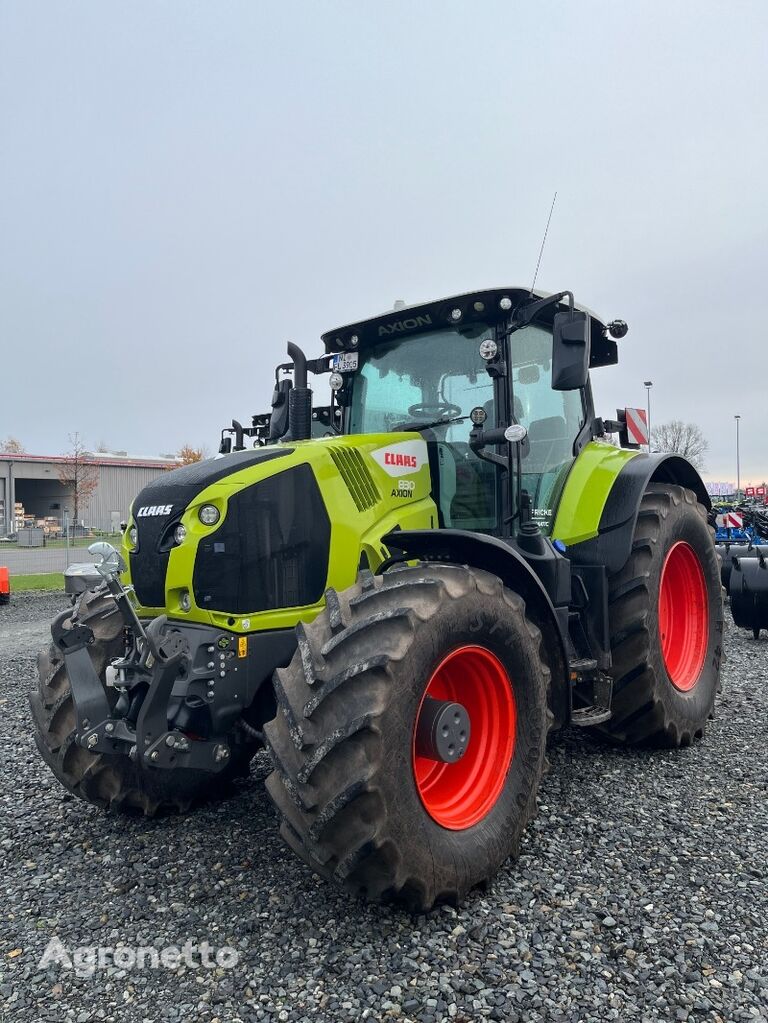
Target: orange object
x=5 y=585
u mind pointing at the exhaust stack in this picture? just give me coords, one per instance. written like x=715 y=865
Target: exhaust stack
x=299 y=398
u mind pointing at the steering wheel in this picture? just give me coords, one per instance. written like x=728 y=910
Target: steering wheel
x=434 y=411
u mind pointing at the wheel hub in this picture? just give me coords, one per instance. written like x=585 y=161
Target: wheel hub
x=442 y=731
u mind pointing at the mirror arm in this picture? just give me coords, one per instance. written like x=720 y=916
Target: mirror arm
x=526 y=311
x=319 y=366
x=479 y=438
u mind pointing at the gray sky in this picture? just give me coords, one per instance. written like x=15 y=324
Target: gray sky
x=185 y=186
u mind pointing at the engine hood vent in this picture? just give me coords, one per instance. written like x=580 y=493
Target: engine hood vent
x=356 y=475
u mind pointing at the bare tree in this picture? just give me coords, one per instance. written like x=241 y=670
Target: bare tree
x=80 y=474
x=102 y=448
x=680 y=438
x=12 y=446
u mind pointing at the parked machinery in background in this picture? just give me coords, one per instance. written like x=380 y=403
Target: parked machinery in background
x=741 y=536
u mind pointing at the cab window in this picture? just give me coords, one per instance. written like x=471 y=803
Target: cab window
x=553 y=420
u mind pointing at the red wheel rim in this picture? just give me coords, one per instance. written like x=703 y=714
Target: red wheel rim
x=459 y=795
x=683 y=616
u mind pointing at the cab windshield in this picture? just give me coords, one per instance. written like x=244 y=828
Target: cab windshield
x=417 y=382
x=423 y=378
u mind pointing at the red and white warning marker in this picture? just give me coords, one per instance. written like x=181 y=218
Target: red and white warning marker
x=731 y=520
x=637 y=425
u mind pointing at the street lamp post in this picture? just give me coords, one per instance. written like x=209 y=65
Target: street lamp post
x=738 y=465
x=648 y=384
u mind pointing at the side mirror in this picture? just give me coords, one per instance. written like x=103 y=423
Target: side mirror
x=278 y=422
x=570 y=350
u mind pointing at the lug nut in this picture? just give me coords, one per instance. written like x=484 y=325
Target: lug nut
x=210 y=694
x=211 y=665
x=210 y=649
x=169 y=740
x=154 y=755
x=109 y=727
x=221 y=753
x=93 y=740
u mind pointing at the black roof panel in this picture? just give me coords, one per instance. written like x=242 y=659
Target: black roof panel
x=478 y=306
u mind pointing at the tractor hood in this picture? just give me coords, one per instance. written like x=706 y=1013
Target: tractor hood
x=292 y=520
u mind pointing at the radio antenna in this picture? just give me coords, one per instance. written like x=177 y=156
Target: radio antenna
x=543 y=243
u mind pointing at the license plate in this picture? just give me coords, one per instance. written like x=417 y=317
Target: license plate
x=346 y=362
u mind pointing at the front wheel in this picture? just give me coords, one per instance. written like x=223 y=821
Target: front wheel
x=666 y=623
x=409 y=741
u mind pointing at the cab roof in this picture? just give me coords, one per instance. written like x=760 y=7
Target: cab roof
x=475 y=307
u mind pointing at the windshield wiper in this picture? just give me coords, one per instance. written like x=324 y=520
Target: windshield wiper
x=416 y=424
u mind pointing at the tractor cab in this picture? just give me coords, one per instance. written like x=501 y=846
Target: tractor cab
x=461 y=372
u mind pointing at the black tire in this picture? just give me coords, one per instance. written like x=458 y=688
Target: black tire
x=112 y=782
x=341 y=742
x=648 y=709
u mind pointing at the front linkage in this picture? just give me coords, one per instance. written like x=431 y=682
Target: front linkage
x=165 y=674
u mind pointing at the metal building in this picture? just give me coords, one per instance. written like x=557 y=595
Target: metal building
x=31 y=488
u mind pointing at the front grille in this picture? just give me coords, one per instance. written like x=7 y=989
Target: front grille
x=271 y=550
x=354 y=472
x=176 y=489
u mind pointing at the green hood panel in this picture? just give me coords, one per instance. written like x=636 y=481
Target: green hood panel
x=370 y=485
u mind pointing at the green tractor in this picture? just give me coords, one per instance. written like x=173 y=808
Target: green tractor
x=400 y=609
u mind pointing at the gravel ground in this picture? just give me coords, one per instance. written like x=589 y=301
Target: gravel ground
x=640 y=893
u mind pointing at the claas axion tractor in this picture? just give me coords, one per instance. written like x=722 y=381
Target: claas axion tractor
x=400 y=609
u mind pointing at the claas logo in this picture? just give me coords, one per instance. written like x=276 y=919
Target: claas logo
x=395 y=458
x=398 y=459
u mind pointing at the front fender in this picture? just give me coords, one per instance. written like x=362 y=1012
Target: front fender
x=459 y=546
x=605 y=528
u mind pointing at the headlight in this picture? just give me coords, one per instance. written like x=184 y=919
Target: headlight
x=133 y=536
x=488 y=349
x=185 y=601
x=209 y=514
x=180 y=533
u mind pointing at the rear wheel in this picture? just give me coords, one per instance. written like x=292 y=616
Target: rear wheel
x=112 y=782
x=666 y=622
x=409 y=741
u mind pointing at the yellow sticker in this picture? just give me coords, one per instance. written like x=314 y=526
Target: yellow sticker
x=242 y=646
